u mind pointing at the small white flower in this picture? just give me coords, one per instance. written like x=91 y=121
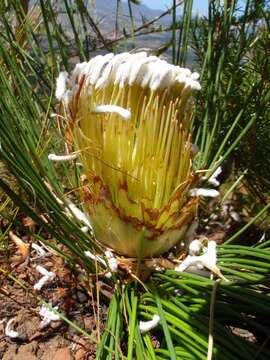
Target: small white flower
x=73 y=210
x=207 y=260
x=95 y=257
x=195 y=247
x=48 y=315
x=61 y=85
x=213 y=178
x=47 y=277
x=78 y=214
x=9 y=331
x=112 y=261
x=195 y=76
x=146 y=326
x=85 y=229
x=204 y=192
x=39 y=250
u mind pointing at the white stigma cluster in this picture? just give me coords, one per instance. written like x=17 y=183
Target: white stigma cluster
x=127 y=69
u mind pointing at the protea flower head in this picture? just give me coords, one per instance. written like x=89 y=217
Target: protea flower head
x=129 y=119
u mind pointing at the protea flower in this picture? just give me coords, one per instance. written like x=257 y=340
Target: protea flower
x=129 y=119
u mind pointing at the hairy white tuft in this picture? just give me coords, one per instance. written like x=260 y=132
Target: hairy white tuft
x=54 y=157
x=78 y=214
x=85 y=229
x=61 y=85
x=207 y=260
x=195 y=247
x=95 y=257
x=213 y=178
x=124 y=113
x=47 y=277
x=9 y=331
x=112 y=261
x=126 y=68
x=48 y=315
x=204 y=192
x=39 y=250
x=146 y=326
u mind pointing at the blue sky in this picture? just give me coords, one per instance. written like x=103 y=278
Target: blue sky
x=199 y=6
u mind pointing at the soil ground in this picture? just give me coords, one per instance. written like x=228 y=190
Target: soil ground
x=58 y=340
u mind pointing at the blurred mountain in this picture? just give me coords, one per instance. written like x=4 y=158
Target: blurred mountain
x=107 y=9
x=104 y=13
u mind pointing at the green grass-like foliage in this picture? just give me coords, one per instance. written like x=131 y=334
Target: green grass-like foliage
x=183 y=302
x=230 y=48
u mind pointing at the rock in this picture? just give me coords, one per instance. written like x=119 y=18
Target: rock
x=63 y=354
x=27 y=324
x=11 y=352
x=56 y=324
x=29 y=348
x=80 y=354
x=23 y=354
x=81 y=297
x=89 y=323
